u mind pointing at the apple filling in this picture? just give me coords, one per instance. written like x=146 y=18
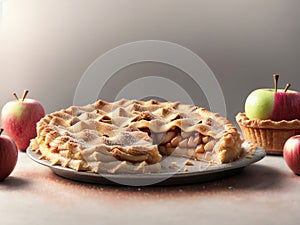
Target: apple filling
x=187 y=144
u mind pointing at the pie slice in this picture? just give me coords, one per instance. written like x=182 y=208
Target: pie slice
x=132 y=136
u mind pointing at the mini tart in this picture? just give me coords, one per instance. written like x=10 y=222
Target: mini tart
x=270 y=135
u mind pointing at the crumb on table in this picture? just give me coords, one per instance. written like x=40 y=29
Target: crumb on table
x=189 y=163
x=173 y=165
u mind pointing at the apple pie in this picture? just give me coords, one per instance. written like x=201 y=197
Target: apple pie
x=131 y=136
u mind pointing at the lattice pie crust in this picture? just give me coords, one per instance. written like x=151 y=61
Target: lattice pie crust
x=132 y=136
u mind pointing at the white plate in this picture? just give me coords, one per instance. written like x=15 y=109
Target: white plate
x=199 y=172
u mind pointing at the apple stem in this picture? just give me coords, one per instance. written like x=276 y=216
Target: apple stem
x=16 y=96
x=1 y=130
x=287 y=87
x=24 y=95
x=275 y=77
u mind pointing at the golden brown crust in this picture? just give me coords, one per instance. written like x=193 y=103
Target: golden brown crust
x=271 y=135
x=242 y=119
x=99 y=136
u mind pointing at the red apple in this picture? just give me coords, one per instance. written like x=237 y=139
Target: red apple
x=275 y=104
x=19 y=119
x=8 y=155
x=291 y=153
x=286 y=105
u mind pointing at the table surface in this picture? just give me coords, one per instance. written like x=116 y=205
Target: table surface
x=266 y=192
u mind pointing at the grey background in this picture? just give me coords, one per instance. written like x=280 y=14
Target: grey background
x=47 y=45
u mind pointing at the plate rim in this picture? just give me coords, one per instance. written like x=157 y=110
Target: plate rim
x=259 y=154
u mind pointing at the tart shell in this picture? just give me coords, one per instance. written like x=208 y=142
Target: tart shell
x=270 y=135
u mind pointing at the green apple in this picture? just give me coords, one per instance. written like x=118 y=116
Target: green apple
x=259 y=104
x=267 y=104
x=274 y=104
